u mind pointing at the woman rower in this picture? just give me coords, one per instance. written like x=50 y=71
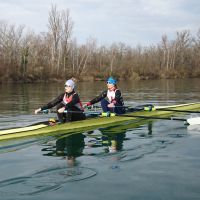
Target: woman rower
x=114 y=102
x=69 y=106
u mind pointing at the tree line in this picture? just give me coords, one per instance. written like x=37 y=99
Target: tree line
x=55 y=55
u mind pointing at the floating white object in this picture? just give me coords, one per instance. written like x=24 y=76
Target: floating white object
x=193 y=121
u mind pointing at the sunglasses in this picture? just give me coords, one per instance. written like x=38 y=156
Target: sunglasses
x=109 y=82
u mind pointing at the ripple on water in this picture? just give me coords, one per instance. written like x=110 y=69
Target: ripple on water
x=45 y=180
x=136 y=151
x=144 y=149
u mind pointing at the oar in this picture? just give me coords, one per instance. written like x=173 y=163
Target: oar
x=150 y=107
x=175 y=110
x=190 y=121
x=71 y=111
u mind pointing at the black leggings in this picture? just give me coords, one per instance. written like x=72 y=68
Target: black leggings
x=73 y=114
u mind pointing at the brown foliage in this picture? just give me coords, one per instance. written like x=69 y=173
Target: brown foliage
x=55 y=56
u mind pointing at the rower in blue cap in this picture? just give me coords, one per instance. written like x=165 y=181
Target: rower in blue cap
x=111 y=98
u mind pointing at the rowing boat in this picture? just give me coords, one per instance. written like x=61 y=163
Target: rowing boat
x=87 y=124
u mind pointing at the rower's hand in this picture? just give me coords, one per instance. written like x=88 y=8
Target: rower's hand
x=111 y=105
x=61 y=110
x=37 y=111
x=87 y=105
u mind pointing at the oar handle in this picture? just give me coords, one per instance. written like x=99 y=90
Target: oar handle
x=71 y=111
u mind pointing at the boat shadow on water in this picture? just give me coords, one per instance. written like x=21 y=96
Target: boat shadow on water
x=123 y=142
x=128 y=142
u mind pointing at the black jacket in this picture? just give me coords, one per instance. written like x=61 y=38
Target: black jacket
x=118 y=98
x=59 y=100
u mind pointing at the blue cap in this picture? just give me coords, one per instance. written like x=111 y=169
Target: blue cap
x=111 y=80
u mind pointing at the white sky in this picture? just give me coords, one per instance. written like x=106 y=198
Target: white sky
x=132 y=22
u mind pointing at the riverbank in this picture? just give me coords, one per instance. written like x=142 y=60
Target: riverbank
x=88 y=78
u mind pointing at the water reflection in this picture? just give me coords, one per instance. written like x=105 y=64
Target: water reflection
x=51 y=177
x=70 y=146
x=113 y=143
x=110 y=139
x=123 y=142
x=149 y=131
x=98 y=142
x=110 y=142
x=111 y=147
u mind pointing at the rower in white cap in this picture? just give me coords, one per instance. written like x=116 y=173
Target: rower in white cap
x=68 y=104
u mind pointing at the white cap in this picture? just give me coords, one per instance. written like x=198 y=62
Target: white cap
x=70 y=83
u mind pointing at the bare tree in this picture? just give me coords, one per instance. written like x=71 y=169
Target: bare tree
x=183 y=41
x=29 y=56
x=10 y=44
x=55 y=28
x=166 y=52
x=67 y=26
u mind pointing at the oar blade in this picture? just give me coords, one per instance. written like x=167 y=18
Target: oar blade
x=193 y=121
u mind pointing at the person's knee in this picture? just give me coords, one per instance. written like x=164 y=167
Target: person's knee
x=104 y=105
x=119 y=111
x=59 y=106
x=104 y=102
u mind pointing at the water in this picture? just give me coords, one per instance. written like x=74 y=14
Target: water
x=134 y=160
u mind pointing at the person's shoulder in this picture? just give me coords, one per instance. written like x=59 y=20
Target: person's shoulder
x=104 y=91
x=61 y=94
x=118 y=91
x=75 y=93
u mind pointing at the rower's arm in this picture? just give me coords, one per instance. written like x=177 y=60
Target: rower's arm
x=53 y=103
x=99 y=98
x=118 y=97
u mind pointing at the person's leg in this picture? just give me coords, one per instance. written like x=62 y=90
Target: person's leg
x=77 y=114
x=119 y=109
x=69 y=115
x=104 y=105
x=61 y=116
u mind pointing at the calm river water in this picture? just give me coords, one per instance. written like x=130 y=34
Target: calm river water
x=136 y=160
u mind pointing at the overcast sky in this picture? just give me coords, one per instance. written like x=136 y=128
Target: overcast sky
x=129 y=21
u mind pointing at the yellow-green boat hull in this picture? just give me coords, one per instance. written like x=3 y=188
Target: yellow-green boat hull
x=88 y=123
